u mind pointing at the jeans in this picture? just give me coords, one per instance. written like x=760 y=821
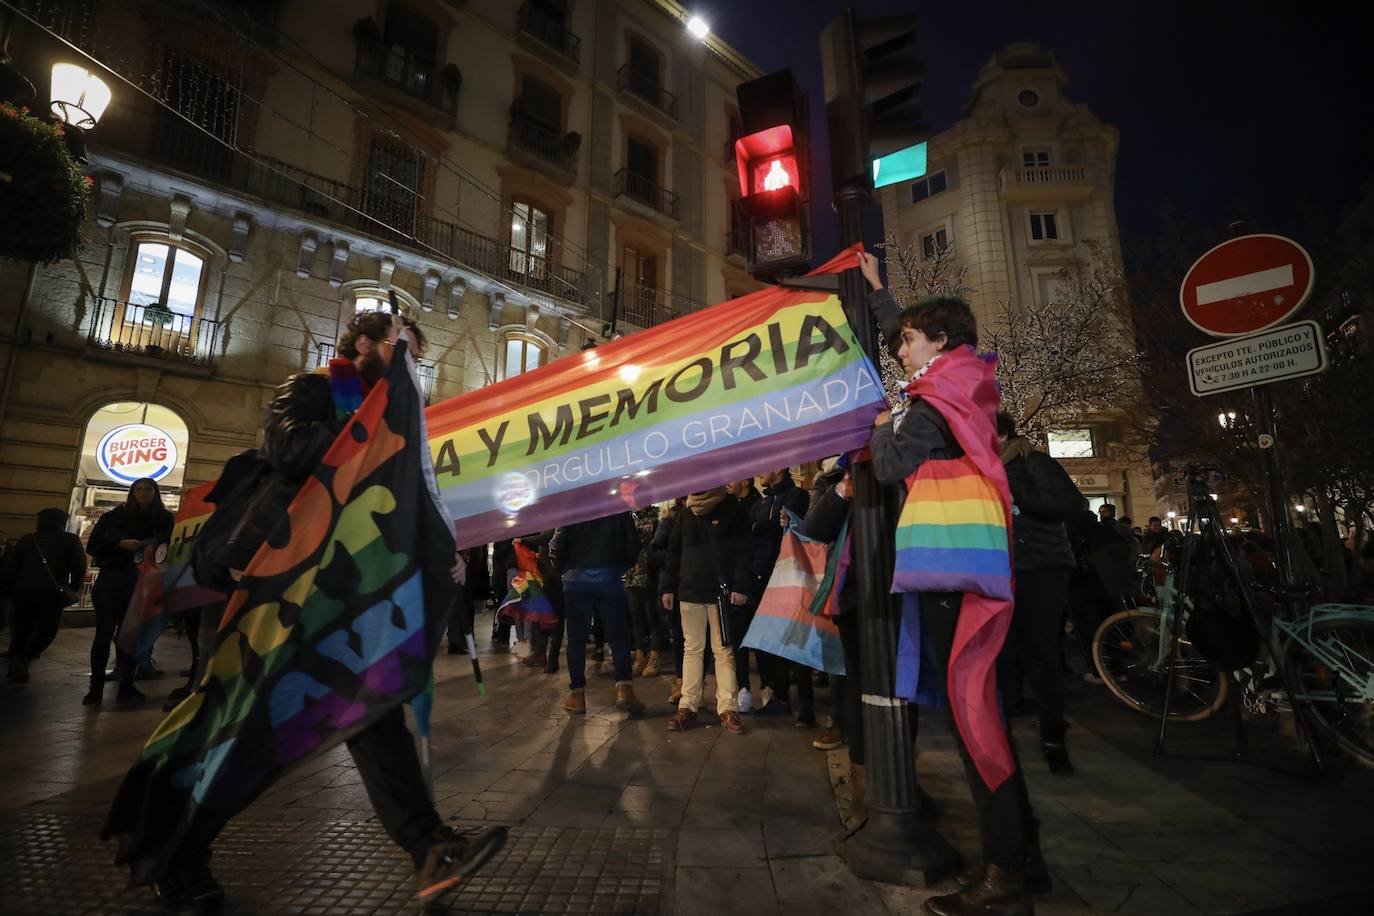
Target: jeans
x=606 y=601
x=113 y=590
x=34 y=627
x=646 y=618
x=1005 y=817
x=390 y=770
x=1035 y=646
x=699 y=621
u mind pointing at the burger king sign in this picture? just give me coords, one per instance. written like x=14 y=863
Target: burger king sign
x=127 y=453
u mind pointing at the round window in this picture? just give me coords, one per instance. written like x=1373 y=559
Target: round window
x=1028 y=98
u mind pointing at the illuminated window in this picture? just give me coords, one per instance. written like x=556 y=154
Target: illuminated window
x=522 y=355
x=529 y=241
x=166 y=278
x=1071 y=443
x=1044 y=226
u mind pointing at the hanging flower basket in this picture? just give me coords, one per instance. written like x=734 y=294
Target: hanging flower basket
x=43 y=192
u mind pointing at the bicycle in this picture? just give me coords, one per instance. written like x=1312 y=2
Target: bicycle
x=1316 y=661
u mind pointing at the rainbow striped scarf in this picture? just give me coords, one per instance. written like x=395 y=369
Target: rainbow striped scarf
x=953 y=535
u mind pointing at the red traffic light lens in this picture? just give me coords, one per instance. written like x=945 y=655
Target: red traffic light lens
x=776 y=174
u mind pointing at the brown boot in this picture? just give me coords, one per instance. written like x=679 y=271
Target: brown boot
x=625 y=698
x=676 y=694
x=637 y=663
x=732 y=723
x=682 y=720
x=650 y=666
x=997 y=892
x=576 y=703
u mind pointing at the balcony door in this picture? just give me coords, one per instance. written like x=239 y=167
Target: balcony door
x=645 y=68
x=639 y=286
x=391 y=185
x=641 y=167
x=412 y=48
x=161 y=308
x=529 y=242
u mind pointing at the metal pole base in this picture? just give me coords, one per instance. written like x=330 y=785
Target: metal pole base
x=898 y=849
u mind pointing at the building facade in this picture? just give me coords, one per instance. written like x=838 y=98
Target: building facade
x=523 y=177
x=1014 y=193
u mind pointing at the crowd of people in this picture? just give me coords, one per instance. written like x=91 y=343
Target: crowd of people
x=673 y=589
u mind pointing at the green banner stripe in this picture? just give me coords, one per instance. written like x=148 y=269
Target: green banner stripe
x=980 y=537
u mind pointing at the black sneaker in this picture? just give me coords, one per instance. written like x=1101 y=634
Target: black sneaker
x=93 y=697
x=130 y=694
x=190 y=888
x=454 y=857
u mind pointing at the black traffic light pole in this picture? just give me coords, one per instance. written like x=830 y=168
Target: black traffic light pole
x=894 y=844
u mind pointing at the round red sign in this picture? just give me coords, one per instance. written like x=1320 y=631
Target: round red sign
x=1246 y=284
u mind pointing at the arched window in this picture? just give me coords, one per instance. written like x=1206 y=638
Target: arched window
x=521 y=353
x=166 y=276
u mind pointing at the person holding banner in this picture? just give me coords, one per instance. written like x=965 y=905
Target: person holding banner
x=707 y=570
x=943 y=447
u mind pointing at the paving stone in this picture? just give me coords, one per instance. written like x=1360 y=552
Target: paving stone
x=711 y=891
x=724 y=848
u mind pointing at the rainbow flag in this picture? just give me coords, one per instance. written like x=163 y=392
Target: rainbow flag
x=166 y=584
x=952 y=533
x=327 y=632
x=768 y=380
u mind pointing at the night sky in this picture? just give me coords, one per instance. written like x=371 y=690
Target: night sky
x=1226 y=110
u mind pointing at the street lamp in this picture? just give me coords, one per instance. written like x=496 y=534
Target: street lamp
x=79 y=97
x=698 y=27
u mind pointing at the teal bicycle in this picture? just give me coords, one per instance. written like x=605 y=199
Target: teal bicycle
x=1207 y=636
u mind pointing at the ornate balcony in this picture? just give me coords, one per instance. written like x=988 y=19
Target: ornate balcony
x=646 y=88
x=152 y=331
x=528 y=140
x=645 y=306
x=646 y=194
x=1047 y=182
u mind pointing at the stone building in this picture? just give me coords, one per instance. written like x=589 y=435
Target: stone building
x=519 y=175
x=1014 y=192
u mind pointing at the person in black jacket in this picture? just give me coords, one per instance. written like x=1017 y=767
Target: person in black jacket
x=899 y=445
x=1044 y=497
x=592 y=558
x=300 y=426
x=35 y=574
x=116 y=543
x=658 y=561
x=780 y=493
x=708 y=559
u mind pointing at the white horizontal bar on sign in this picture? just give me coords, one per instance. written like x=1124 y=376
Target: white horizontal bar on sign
x=1246 y=285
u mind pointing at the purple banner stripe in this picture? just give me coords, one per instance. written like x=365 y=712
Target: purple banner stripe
x=832 y=436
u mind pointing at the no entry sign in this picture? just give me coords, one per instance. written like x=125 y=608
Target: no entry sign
x=1246 y=284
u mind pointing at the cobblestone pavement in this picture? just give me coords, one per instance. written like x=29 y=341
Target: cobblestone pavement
x=613 y=815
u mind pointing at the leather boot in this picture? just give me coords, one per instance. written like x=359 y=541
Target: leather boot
x=1056 y=748
x=676 y=694
x=651 y=666
x=625 y=698
x=637 y=661
x=997 y=892
x=576 y=703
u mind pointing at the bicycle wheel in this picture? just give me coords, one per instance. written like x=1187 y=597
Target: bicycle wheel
x=1333 y=695
x=1125 y=649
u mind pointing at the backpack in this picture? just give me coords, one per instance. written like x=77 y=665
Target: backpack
x=245 y=509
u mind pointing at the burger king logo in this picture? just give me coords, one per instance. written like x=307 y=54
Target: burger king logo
x=127 y=453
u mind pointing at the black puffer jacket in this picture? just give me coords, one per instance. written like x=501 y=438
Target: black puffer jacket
x=300 y=427
x=1045 y=498
x=612 y=542
x=689 y=570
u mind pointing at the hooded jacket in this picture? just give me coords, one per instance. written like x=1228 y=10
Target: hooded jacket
x=1045 y=498
x=24 y=571
x=689 y=570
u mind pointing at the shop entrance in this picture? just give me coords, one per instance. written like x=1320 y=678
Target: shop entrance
x=126 y=440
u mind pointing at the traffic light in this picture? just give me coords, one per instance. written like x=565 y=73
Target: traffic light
x=873 y=79
x=774 y=166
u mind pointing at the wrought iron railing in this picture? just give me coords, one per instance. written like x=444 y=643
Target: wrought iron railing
x=649 y=193
x=153 y=331
x=645 y=305
x=553 y=147
x=646 y=86
x=550 y=31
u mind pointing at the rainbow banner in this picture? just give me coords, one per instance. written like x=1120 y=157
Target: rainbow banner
x=769 y=380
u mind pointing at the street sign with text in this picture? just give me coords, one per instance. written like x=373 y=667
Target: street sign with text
x=1276 y=355
x=1246 y=284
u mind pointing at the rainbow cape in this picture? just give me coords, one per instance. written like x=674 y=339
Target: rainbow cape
x=335 y=622
x=526 y=600
x=952 y=535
